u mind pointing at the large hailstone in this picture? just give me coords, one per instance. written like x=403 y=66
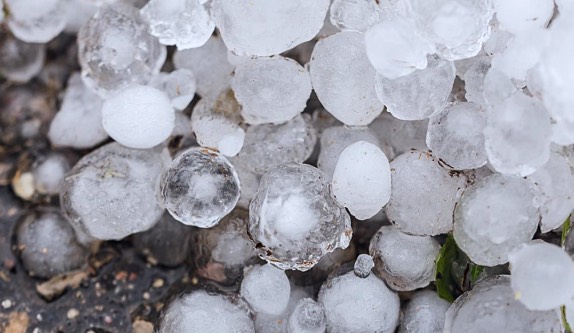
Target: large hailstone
x=456 y=136
x=267 y=27
x=294 y=221
x=116 y=51
x=266 y=288
x=491 y=307
x=343 y=77
x=541 y=276
x=520 y=16
x=36 y=22
x=355 y=304
x=199 y=188
x=423 y=194
x=111 y=192
x=404 y=262
x=20 y=61
x=271 y=90
x=494 y=217
x=362 y=179
x=138 y=117
x=420 y=94
x=424 y=313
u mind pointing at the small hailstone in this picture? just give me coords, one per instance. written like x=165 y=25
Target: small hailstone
x=419 y=95
x=78 y=123
x=183 y=23
x=266 y=288
x=307 y=317
x=111 y=192
x=363 y=265
x=209 y=65
x=473 y=79
x=497 y=87
x=293 y=218
x=264 y=27
x=294 y=140
x=138 y=117
x=455 y=135
x=356 y=15
x=115 y=50
x=399 y=135
x=280 y=323
x=508 y=217
x=424 y=313
x=354 y=304
x=492 y=307
x=423 y=194
x=403 y=261
x=200 y=311
x=541 y=275
x=362 y=179
x=48 y=175
x=342 y=78
x=498 y=39
x=36 y=22
x=199 y=188
x=271 y=90
x=522 y=16
x=48 y=244
x=458 y=28
x=395 y=49
x=517 y=135
x=179 y=86
x=216 y=124
x=20 y=61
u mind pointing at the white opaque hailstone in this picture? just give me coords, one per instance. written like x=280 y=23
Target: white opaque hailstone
x=354 y=304
x=399 y=135
x=491 y=307
x=280 y=323
x=267 y=27
x=343 y=77
x=266 y=288
x=497 y=87
x=423 y=194
x=357 y=15
x=363 y=265
x=179 y=85
x=362 y=179
x=424 y=313
x=494 y=217
x=541 y=276
x=420 y=94
x=271 y=90
x=522 y=16
x=556 y=183
x=48 y=175
x=404 y=262
x=455 y=135
x=308 y=316
x=20 y=61
x=36 y=22
x=395 y=49
x=138 y=117
x=458 y=28
x=203 y=312
x=78 y=123
x=183 y=23
x=517 y=135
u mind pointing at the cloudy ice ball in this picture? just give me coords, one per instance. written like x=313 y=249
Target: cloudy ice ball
x=519 y=16
x=138 y=117
x=307 y=317
x=266 y=288
x=424 y=313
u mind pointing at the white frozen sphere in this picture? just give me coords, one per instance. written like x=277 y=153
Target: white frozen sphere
x=48 y=175
x=521 y=16
x=363 y=265
x=424 y=313
x=362 y=179
x=403 y=261
x=541 y=276
x=179 y=85
x=36 y=22
x=455 y=135
x=138 y=117
x=266 y=288
x=356 y=15
x=267 y=27
x=280 y=323
x=494 y=217
x=271 y=90
x=343 y=77
x=307 y=317
x=423 y=194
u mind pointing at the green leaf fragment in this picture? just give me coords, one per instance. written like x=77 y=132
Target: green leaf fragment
x=443 y=269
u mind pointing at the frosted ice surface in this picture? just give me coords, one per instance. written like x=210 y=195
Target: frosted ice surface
x=280 y=323
x=271 y=90
x=138 y=117
x=363 y=265
x=362 y=179
x=36 y=22
x=307 y=317
x=497 y=87
x=266 y=288
x=249 y=182
x=398 y=135
x=424 y=313
x=179 y=85
x=267 y=27
x=423 y=194
x=78 y=12
x=356 y=15
x=20 y=61
x=403 y=261
x=49 y=174
x=343 y=77
x=111 y=192
x=520 y=16
x=199 y=188
x=493 y=217
x=474 y=79
x=293 y=218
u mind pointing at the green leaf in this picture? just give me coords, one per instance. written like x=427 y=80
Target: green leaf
x=443 y=269
x=567 y=328
x=565 y=229
x=475 y=271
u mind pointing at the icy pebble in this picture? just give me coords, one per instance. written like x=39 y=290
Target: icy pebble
x=424 y=313
x=307 y=317
x=266 y=289
x=48 y=175
x=363 y=265
x=179 y=85
x=356 y=15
